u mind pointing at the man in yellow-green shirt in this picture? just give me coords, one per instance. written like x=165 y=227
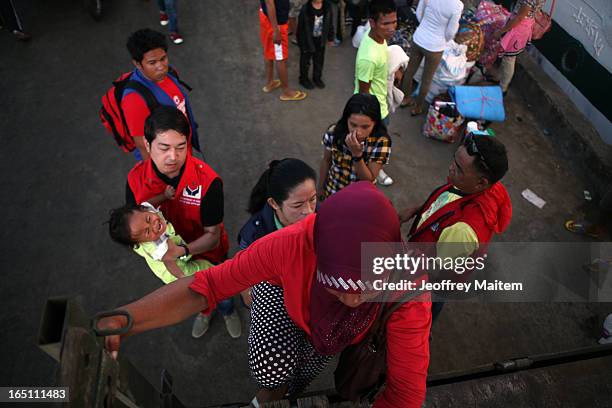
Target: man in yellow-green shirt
x=371 y=63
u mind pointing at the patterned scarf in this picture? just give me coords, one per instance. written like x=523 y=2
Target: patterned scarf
x=358 y=213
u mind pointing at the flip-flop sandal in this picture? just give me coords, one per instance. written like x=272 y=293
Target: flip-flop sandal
x=407 y=105
x=416 y=111
x=580 y=228
x=272 y=86
x=297 y=96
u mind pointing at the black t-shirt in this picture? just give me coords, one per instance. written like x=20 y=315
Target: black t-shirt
x=211 y=206
x=282 y=10
x=317 y=21
x=317 y=12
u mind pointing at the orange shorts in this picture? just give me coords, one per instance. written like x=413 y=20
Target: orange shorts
x=273 y=51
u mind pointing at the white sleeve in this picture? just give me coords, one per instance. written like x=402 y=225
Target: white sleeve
x=453 y=25
x=420 y=10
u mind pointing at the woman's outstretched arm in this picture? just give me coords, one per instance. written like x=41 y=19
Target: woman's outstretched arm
x=166 y=306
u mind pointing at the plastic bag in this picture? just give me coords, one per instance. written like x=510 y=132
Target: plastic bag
x=359 y=33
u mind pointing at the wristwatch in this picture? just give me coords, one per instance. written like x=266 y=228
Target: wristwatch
x=356 y=159
x=184 y=246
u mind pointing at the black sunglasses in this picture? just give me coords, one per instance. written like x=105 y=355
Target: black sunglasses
x=470 y=146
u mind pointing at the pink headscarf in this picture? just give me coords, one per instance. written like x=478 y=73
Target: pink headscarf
x=358 y=213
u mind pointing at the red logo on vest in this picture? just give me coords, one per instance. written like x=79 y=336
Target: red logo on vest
x=191 y=195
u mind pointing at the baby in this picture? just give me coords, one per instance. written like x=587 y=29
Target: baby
x=146 y=231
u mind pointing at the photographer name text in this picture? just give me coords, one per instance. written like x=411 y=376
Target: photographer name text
x=448 y=285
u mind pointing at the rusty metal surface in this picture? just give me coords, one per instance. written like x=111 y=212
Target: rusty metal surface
x=58 y=314
x=585 y=384
x=315 y=401
x=95 y=379
x=80 y=360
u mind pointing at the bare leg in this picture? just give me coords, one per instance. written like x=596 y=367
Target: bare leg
x=292 y=24
x=281 y=68
x=432 y=60
x=269 y=64
x=506 y=71
x=416 y=56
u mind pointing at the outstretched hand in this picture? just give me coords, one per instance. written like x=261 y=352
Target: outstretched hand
x=112 y=343
x=163 y=307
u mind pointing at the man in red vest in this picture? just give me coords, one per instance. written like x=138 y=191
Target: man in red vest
x=189 y=194
x=471 y=207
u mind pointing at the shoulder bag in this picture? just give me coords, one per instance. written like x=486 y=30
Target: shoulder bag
x=542 y=22
x=362 y=367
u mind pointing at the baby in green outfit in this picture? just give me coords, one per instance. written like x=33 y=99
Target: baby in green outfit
x=146 y=231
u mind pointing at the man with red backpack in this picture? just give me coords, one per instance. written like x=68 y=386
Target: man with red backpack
x=471 y=207
x=153 y=82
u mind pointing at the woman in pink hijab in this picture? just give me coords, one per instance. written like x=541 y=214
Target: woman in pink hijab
x=317 y=262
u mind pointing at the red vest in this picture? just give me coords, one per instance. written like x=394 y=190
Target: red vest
x=486 y=213
x=184 y=210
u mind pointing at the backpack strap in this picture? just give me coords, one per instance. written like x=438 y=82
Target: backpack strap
x=420 y=210
x=173 y=72
x=379 y=328
x=146 y=94
x=389 y=310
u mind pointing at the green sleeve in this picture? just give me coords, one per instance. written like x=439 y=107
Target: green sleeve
x=365 y=70
x=462 y=239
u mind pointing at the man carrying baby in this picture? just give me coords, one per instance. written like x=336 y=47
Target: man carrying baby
x=189 y=194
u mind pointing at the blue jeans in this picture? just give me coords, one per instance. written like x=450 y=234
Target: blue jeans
x=226 y=307
x=337 y=22
x=169 y=7
x=386 y=120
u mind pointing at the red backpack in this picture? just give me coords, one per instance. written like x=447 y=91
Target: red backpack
x=111 y=113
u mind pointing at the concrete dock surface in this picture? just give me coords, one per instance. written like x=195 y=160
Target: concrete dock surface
x=63 y=173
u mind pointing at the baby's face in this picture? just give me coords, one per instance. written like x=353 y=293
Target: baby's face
x=146 y=226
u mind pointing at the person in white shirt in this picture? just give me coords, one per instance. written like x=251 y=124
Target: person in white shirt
x=439 y=22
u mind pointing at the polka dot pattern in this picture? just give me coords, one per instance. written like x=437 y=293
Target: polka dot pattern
x=279 y=351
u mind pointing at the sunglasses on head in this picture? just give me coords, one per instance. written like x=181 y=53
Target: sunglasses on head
x=470 y=146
